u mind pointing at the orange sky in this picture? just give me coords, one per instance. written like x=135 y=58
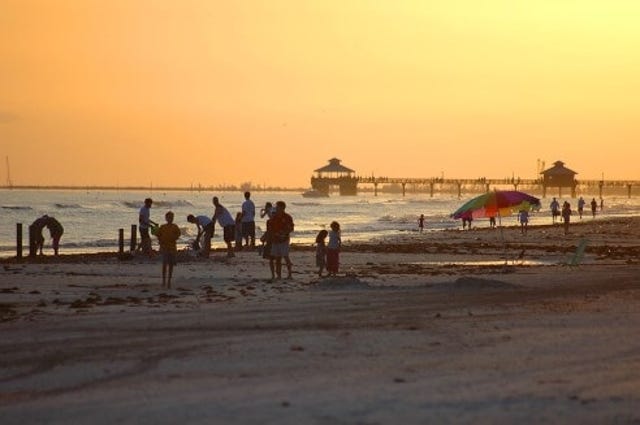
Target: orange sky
x=174 y=93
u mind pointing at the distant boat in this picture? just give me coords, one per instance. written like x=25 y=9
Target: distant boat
x=313 y=193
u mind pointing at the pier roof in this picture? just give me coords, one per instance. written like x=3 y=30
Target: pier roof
x=558 y=169
x=334 y=166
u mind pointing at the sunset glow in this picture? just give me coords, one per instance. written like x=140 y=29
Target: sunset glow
x=212 y=92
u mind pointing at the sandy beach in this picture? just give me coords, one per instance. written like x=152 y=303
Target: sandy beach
x=479 y=326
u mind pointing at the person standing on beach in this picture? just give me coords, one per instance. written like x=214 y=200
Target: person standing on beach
x=267 y=211
x=421 y=223
x=144 y=222
x=248 y=220
x=228 y=224
x=333 y=249
x=581 y=203
x=566 y=216
x=282 y=225
x=555 y=209
x=205 y=231
x=55 y=230
x=168 y=235
x=267 y=240
x=594 y=207
x=523 y=218
x=321 y=251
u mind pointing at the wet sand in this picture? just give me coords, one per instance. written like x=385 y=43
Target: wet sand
x=477 y=326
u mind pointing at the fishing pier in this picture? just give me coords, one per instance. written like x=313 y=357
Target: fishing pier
x=337 y=176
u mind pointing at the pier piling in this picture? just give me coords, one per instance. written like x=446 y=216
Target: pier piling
x=134 y=242
x=121 y=241
x=19 y=241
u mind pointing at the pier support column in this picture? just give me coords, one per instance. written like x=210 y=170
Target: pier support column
x=515 y=186
x=19 y=241
x=375 y=189
x=459 y=190
x=629 y=191
x=487 y=187
x=404 y=189
x=431 y=185
x=573 y=191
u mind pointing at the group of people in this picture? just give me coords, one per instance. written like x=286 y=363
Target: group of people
x=328 y=254
x=276 y=238
x=35 y=234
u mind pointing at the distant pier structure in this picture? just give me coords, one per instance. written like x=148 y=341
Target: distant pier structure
x=559 y=176
x=335 y=175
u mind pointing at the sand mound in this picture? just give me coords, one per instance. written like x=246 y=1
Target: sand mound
x=342 y=282
x=476 y=284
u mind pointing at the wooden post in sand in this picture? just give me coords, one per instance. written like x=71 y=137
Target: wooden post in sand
x=19 y=241
x=134 y=242
x=121 y=241
x=33 y=250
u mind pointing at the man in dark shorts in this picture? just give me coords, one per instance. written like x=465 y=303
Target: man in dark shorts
x=282 y=226
x=36 y=240
x=248 y=220
x=228 y=224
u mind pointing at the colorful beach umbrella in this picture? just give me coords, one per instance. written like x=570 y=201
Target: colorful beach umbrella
x=499 y=203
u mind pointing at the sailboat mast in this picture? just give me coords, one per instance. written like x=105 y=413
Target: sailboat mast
x=9 y=184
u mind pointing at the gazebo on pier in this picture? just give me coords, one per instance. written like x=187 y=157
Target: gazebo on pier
x=559 y=176
x=335 y=174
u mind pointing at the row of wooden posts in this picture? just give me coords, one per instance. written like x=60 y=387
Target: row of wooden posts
x=33 y=250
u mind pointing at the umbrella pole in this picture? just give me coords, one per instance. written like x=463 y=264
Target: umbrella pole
x=504 y=242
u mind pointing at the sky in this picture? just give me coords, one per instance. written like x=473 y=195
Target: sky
x=174 y=93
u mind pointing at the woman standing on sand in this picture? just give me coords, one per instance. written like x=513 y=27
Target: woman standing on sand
x=333 y=249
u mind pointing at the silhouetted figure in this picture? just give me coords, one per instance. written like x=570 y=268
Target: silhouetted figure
x=555 y=209
x=581 y=203
x=566 y=216
x=594 y=207
x=55 y=230
x=421 y=223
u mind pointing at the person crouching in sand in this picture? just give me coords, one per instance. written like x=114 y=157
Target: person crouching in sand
x=167 y=235
x=333 y=249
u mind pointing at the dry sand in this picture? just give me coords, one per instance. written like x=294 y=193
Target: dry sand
x=425 y=328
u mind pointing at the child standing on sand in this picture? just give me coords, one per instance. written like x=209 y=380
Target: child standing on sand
x=167 y=235
x=523 y=218
x=333 y=249
x=321 y=251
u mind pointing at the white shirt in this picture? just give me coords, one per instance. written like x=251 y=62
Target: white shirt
x=203 y=220
x=334 y=240
x=224 y=217
x=248 y=211
x=145 y=216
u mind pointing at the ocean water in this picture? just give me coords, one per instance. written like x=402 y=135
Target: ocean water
x=92 y=218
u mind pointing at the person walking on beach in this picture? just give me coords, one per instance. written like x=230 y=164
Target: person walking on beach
x=555 y=209
x=36 y=240
x=248 y=220
x=321 y=251
x=205 y=232
x=566 y=216
x=333 y=249
x=581 y=203
x=282 y=226
x=144 y=222
x=492 y=222
x=55 y=230
x=523 y=218
x=421 y=223
x=594 y=207
x=228 y=224
x=168 y=235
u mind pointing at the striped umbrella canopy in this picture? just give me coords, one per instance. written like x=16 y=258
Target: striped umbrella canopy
x=498 y=203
